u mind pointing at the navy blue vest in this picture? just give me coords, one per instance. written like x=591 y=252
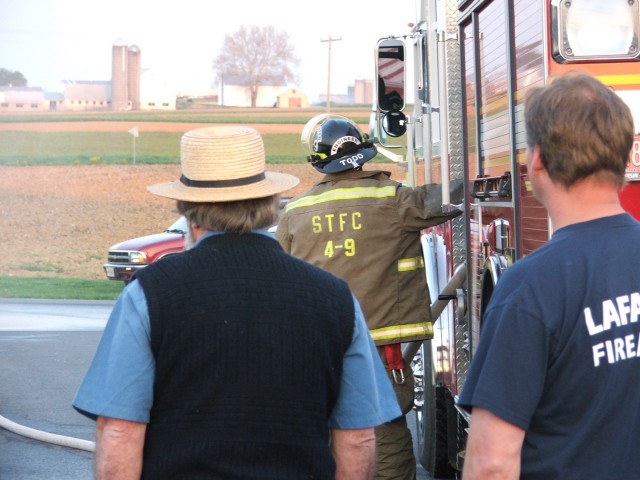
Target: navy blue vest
x=248 y=343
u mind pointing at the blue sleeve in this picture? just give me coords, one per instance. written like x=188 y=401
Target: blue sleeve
x=119 y=381
x=366 y=398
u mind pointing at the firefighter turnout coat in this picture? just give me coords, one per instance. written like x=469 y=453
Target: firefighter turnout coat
x=365 y=228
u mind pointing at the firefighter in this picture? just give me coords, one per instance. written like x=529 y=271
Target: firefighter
x=364 y=227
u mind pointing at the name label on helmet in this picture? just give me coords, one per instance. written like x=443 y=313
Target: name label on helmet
x=352 y=160
x=341 y=141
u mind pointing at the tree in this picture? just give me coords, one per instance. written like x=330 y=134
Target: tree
x=9 y=78
x=256 y=56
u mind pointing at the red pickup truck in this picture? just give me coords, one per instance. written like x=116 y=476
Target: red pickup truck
x=126 y=258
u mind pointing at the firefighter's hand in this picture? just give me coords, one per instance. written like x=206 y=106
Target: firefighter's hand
x=456 y=197
x=450 y=209
x=456 y=188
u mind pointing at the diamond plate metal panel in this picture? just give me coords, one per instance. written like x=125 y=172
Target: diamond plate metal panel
x=456 y=150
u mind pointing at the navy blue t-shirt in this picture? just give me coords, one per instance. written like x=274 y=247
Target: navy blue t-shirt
x=559 y=353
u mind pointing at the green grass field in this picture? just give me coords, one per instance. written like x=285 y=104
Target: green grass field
x=19 y=148
x=23 y=148
x=59 y=288
x=359 y=114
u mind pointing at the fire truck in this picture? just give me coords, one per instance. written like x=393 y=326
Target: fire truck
x=449 y=103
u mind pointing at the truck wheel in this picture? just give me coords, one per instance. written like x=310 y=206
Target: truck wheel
x=433 y=424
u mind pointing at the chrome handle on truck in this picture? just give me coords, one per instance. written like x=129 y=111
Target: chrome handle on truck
x=493 y=187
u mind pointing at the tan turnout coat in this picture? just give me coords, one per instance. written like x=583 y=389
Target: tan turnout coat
x=365 y=228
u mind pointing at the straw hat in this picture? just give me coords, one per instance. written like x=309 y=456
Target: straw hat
x=223 y=164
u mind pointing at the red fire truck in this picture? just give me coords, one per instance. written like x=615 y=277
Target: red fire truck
x=449 y=98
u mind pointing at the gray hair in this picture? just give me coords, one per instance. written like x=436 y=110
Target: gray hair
x=241 y=216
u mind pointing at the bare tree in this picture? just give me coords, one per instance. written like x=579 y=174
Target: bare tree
x=256 y=56
x=11 y=78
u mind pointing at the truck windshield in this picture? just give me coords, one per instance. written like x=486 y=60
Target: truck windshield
x=179 y=226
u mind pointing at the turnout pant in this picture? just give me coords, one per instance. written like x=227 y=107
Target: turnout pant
x=394 y=445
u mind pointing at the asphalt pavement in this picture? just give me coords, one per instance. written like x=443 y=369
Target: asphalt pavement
x=45 y=349
x=40 y=373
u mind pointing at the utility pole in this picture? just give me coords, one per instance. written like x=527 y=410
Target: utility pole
x=329 y=40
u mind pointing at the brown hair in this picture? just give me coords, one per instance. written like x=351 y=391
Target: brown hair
x=582 y=127
x=242 y=216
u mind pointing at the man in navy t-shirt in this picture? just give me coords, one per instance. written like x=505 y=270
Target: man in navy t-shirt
x=554 y=384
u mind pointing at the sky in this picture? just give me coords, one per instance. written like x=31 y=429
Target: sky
x=53 y=40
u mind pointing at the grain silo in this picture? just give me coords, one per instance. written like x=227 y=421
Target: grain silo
x=134 y=72
x=119 y=81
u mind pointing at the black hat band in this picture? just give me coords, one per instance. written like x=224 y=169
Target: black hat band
x=236 y=182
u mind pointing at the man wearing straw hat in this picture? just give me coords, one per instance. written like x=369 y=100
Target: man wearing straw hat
x=234 y=359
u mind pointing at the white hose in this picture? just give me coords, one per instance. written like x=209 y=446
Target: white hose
x=53 y=438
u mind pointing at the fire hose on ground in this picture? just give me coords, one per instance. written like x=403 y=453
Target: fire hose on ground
x=52 y=438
